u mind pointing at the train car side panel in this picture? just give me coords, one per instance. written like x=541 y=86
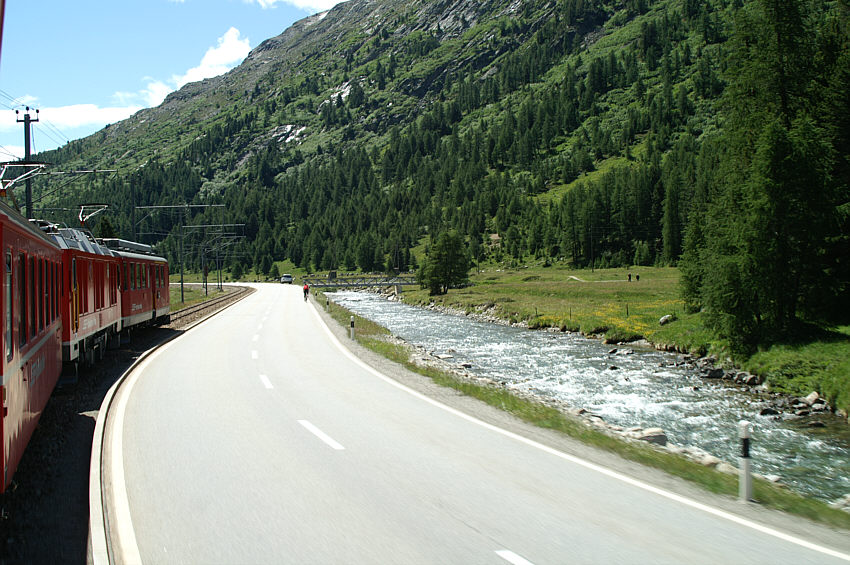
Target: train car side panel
x=30 y=336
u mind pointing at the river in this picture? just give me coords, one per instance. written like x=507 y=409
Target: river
x=634 y=387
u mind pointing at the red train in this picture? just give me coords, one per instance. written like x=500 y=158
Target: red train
x=65 y=298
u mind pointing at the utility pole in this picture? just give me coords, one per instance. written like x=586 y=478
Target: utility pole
x=183 y=209
x=27 y=154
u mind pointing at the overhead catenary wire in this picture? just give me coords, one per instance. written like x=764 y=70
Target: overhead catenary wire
x=48 y=128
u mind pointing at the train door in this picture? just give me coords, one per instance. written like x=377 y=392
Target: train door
x=75 y=297
x=151 y=280
x=7 y=304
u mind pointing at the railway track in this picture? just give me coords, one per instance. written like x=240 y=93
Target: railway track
x=181 y=317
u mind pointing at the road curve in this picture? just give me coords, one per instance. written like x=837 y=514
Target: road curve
x=257 y=438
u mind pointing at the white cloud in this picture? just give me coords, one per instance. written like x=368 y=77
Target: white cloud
x=155 y=92
x=307 y=5
x=82 y=115
x=11 y=152
x=57 y=124
x=73 y=116
x=231 y=50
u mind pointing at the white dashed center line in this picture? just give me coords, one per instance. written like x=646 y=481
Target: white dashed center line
x=321 y=435
x=513 y=558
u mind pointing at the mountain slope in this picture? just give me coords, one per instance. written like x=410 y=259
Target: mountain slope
x=576 y=130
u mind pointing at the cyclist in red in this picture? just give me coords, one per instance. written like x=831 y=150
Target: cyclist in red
x=306 y=291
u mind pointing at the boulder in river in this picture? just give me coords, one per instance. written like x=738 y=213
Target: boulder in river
x=652 y=435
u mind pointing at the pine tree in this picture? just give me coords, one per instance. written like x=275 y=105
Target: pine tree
x=446 y=264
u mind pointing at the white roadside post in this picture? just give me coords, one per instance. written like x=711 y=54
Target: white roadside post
x=745 y=479
x=352 y=327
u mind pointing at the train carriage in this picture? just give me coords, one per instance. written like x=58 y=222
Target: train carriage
x=144 y=284
x=91 y=307
x=65 y=298
x=31 y=332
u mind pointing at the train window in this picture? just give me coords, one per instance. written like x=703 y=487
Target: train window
x=40 y=296
x=74 y=297
x=57 y=274
x=48 y=292
x=32 y=295
x=98 y=286
x=88 y=287
x=22 y=298
x=8 y=296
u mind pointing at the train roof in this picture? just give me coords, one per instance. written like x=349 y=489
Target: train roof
x=139 y=256
x=18 y=219
x=131 y=249
x=72 y=238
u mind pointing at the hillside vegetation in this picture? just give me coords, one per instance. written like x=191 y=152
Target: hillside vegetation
x=713 y=135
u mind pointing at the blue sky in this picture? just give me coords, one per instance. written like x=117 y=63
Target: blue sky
x=88 y=63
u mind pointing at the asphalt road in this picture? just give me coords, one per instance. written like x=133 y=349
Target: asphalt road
x=257 y=438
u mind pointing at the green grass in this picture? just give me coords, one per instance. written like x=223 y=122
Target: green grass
x=192 y=294
x=602 y=301
x=373 y=336
x=821 y=365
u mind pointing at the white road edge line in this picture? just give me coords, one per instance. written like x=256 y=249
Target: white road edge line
x=127 y=546
x=321 y=435
x=121 y=503
x=587 y=464
x=266 y=382
x=512 y=557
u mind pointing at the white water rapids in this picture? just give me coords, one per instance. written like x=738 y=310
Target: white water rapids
x=644 y=388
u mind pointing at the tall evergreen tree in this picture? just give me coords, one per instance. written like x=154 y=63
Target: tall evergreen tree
x=765 y=230
x=446 y=265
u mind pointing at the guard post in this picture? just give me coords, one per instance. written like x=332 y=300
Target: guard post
x=745 y=479
x=352 y=327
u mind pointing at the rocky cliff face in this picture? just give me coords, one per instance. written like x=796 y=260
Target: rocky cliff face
x=306 y=51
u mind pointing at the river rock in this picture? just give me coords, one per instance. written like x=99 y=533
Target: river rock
x=710 y=461
x=725 y=467
x=842 y=503
x=715 y=374
x=811 y=398
x=666 y=319
x=652 y=435
x=749 y=380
